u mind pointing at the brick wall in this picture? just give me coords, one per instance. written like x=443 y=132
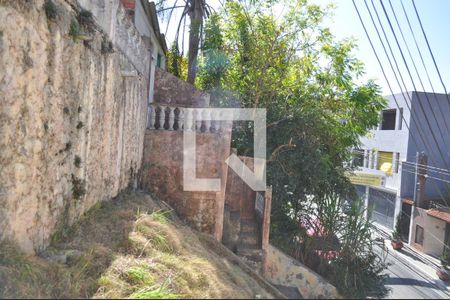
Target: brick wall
x=162 y=174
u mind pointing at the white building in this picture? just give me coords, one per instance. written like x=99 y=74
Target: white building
x=413 y=122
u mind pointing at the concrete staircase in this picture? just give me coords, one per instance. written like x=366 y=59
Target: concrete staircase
x=249 y=244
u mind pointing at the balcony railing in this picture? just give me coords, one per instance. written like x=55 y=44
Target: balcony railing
x=164 y=117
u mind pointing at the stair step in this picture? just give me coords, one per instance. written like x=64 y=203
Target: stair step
x=252 y=246
x=248 y=240
x=248 y=229
x=248 y=251
x=235 y=215
x=254 y=255
x=250 y=222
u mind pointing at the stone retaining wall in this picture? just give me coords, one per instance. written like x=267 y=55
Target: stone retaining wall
x=283 y=270
x=72 y=117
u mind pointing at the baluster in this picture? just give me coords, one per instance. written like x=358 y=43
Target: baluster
x=181 y=118
x=188 y=120
x=206 y=117
x=198 y=119
x=213 y=121
x=218 y=122
x=152 y=117
x=171 y=117
x=162 y=117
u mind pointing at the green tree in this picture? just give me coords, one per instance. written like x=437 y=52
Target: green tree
x=197 y=11
x=306 y=79
x=174 y=59
x=214 y=60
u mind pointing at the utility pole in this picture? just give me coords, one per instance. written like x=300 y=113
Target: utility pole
x=419 y=190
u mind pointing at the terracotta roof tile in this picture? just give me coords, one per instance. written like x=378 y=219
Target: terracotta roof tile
x=408 y=201
x=442 y=215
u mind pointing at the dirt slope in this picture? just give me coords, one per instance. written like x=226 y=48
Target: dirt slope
x=130 y=247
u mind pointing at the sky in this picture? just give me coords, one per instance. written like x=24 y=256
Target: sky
x=436 y=22
x=435 y=16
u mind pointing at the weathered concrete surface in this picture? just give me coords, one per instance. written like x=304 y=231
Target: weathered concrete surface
x=170 y=90
x=71 y=126
x=283 y=270
x=434 y=233
x=162 y=174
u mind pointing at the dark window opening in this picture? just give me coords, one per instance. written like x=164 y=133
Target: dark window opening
x=400 y=119
x=358 y=158
x=158 y=61
x=388 y=121
x=419 y=235
x=397 y=161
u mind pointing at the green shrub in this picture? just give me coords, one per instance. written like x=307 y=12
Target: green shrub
x=85 y=18
x=77 y=161
x=445 y=258
x=75 y=30
x=78 y=187
x=50 y=9
x=107 y=46
x=399 y=232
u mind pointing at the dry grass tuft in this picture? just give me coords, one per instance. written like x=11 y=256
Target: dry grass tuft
x=129 y=248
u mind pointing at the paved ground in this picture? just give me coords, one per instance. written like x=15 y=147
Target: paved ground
x=412 y=277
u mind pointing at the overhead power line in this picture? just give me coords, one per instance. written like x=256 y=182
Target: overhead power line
x=431 y=52
x=385 y=76
x=414 y=85
x=424 y=64
x=417 y=73
x=415 y=122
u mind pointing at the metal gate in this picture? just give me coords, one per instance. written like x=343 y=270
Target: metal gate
x=382 y=207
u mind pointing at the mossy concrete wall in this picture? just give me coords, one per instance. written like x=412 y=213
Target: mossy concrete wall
x=283 y=270
x=72 y=117
x=162 y=174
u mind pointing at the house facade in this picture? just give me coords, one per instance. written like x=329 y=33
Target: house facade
x=144 y=16
x=386 y=168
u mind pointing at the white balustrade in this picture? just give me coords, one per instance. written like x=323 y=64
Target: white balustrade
x=162 y=117
x=198 y=119
x=206 y=117
x=152 y=116
x=171 y=117
x=217 y=122
x=189 y=119
x=179 y=118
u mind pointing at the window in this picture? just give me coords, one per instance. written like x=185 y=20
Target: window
x=358 y=158
x=397 y=161
x=400 y=119
x=388 y=119
x=385 y=162
x=158 y=61
x=366 y=158
x=372 y=155
x=419 y=235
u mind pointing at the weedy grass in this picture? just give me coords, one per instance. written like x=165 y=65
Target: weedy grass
x=130 y=247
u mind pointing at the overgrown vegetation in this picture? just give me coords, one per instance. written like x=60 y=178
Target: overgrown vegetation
x=129 y=247
x=107 y=46
x=77 y=161
x=75 y=30
x=401 y=229
x=85 y=18
x=50 y=9
x=78 y=187
x=292 y=65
